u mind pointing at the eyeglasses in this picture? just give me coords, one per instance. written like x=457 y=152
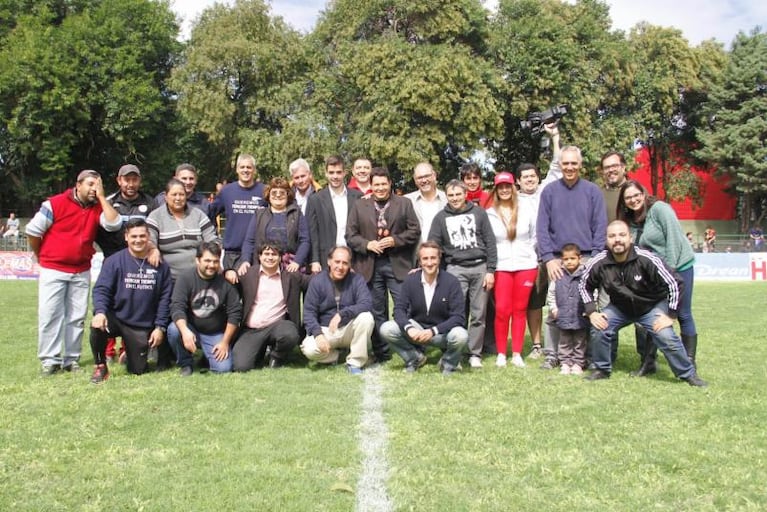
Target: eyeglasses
x=632 y=197
x=278 y=193
x=424 y=177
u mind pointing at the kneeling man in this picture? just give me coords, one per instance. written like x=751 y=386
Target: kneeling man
x=131 y=299
x=642 y=290
x=206 y=313
x=272 y=309
x=337 y=314
x=429 y=312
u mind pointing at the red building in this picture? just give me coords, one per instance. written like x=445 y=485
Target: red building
x=717 y=203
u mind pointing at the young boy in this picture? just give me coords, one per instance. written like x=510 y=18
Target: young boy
x=566 y=309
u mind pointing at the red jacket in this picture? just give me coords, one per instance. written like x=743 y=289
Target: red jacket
x=67 y=245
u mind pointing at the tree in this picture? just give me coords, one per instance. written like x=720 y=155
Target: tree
x=403 y=82
x=735 y=140
x=82 y=86
x=237 y=83
x=667 y=93
x=553 y=52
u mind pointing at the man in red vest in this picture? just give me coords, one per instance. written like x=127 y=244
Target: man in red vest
x=61 y=235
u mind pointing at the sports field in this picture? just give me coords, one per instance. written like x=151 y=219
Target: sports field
x=492 y=439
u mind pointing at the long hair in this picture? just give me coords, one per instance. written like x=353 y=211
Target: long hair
x=511 y=227
x=628 y=215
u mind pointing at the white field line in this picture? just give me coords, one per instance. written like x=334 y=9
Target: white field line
x=373 y=434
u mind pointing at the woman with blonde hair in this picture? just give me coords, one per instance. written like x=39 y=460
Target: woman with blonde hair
x=517 y=269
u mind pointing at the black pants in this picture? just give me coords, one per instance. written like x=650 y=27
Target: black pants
x=135 y=340
x=249 y=349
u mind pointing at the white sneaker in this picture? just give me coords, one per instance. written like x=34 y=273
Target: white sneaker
x=500 y=361
x=536 y=352
x=565 y=370
x=576 y=370
x=475 y=362
x=517 y=361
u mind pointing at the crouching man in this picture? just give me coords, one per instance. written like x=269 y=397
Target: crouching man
x=429 y=312
x=642 y=290
x=131 y=299
x=337 y=314
x=206 y=313
x=272 y=311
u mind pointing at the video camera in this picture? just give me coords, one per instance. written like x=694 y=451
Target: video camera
x=536 y=120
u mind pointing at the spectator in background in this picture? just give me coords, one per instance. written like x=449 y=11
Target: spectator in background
x=709 y=239
x=756 y=235
x=61 y=235
x=238 y=202
x=12 y=227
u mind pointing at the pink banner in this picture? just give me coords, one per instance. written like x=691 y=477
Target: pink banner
x=18 y=265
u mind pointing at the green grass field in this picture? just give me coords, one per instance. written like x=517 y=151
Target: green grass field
x=492 y=439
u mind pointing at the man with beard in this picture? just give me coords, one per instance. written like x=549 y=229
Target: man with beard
x=428 y=200
x=642 y=290
x=131 y=203
x=206 y=313
x=61 y=235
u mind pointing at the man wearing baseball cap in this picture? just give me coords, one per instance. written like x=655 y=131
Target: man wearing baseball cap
x=130 y=203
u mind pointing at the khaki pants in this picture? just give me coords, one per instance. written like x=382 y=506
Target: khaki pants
x=355 y=336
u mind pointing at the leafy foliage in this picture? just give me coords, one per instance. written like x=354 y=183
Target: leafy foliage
x=736 y=138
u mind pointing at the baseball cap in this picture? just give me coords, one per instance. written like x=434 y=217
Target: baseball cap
x=503 y=177
x=128 y=169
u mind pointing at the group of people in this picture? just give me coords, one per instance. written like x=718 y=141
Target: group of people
x=444 y=257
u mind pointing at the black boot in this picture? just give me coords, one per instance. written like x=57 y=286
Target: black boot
x=690 y=343
x=648 y=352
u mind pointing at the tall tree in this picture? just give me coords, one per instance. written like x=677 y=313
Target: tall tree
x=82 y=86
x=735 y=139
x=668 y=90
x=553 y=52
x=237 y=83
x=405 y=81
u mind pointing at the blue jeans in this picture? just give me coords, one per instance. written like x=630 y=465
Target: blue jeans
x=204 y=341
x=666 y=340
x=453 y=344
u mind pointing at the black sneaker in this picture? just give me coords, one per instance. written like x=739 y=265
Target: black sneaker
x=696 y=381
x=597 y=375
x=100 y=374
x=414 y=366
x=185 y=371
x=549 y=364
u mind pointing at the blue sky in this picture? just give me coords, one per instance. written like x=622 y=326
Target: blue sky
x=698 y=19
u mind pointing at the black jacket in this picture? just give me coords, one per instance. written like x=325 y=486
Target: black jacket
x=635 y=286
